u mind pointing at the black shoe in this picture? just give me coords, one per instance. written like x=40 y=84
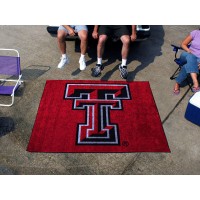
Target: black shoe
x=123 y=71
x=96 y=71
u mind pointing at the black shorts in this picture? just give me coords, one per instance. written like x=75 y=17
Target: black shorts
x=113 y=30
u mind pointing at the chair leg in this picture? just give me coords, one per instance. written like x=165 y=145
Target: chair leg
x=175 y=73
x=189 y=83
x=8 y=105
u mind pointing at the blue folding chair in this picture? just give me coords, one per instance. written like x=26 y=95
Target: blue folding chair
x=178 y=61
x=10 y=74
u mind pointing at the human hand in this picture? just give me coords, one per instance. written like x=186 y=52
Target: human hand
x=95 y=34
x=199 y=66
x=133 y=37
x=71 y=32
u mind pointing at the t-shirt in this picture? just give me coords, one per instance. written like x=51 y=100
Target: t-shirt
x=195 y=44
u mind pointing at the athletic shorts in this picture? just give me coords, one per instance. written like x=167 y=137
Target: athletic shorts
x=77 y=28
x=113 y=30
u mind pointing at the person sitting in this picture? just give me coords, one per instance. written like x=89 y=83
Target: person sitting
x=72 y=30
x=120 y=31
x=191 y=58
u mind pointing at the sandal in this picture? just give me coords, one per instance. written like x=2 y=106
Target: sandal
x=195 y=89
x=177 y=91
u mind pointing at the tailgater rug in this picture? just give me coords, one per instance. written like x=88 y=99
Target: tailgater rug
x=97 y=116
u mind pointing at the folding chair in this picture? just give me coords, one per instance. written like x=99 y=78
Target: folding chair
x=10 y=74
x=177 y=60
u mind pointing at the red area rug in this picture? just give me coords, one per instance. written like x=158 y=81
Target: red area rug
x=97 y=116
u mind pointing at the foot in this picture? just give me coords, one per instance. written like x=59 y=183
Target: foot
x=176 y=90
x=123 y=71
x=96 y=71
x=82 y=64
x=195 y=89
x=63 y=62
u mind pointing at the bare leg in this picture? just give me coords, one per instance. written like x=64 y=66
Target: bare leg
x=100 y=50
x=101 y=45
x=83 y=35
x=125 y=49
x=61 y=41
x=125 y=46
x=194 y=79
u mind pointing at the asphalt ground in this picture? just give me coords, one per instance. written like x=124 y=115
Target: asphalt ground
x=150 y=60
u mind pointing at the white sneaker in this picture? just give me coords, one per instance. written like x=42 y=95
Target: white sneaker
x=63 y=62
x=82 y=64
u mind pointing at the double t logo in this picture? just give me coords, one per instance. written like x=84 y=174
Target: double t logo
x=98 y=100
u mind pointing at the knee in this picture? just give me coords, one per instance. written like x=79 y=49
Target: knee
x=61 y=36
x=192 y=60
x=190 y=56
x=102 y=39
x=126 y=40
x=84 y=37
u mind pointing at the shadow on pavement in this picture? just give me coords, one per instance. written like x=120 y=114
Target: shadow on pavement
x=33 y=72
x=145 y=52
x=76 y=72
x=6 y=125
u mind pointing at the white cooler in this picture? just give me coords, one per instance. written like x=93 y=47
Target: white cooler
x=192 y=112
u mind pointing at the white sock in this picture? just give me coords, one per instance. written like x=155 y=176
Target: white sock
x=124 y=62
x=99 y=61
x=82 y=57
x=64 y=56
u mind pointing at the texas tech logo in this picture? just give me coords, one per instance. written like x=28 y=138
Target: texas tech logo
x=98 y=100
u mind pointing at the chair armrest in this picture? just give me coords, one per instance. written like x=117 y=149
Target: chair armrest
x=176 y=48
x=17 y=52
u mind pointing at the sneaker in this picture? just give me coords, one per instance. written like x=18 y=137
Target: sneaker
x=63 y=62
x=123 y=71
x=82 y=64
x=96 y=71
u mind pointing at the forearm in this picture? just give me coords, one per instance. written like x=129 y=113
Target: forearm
x=95 y=32
x=67 y=27
x=133 y=34
x=185 y=47
x=185 y=43
x=133 y=29
x=95 y=28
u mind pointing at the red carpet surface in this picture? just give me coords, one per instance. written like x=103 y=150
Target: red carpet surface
x=97 y=116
